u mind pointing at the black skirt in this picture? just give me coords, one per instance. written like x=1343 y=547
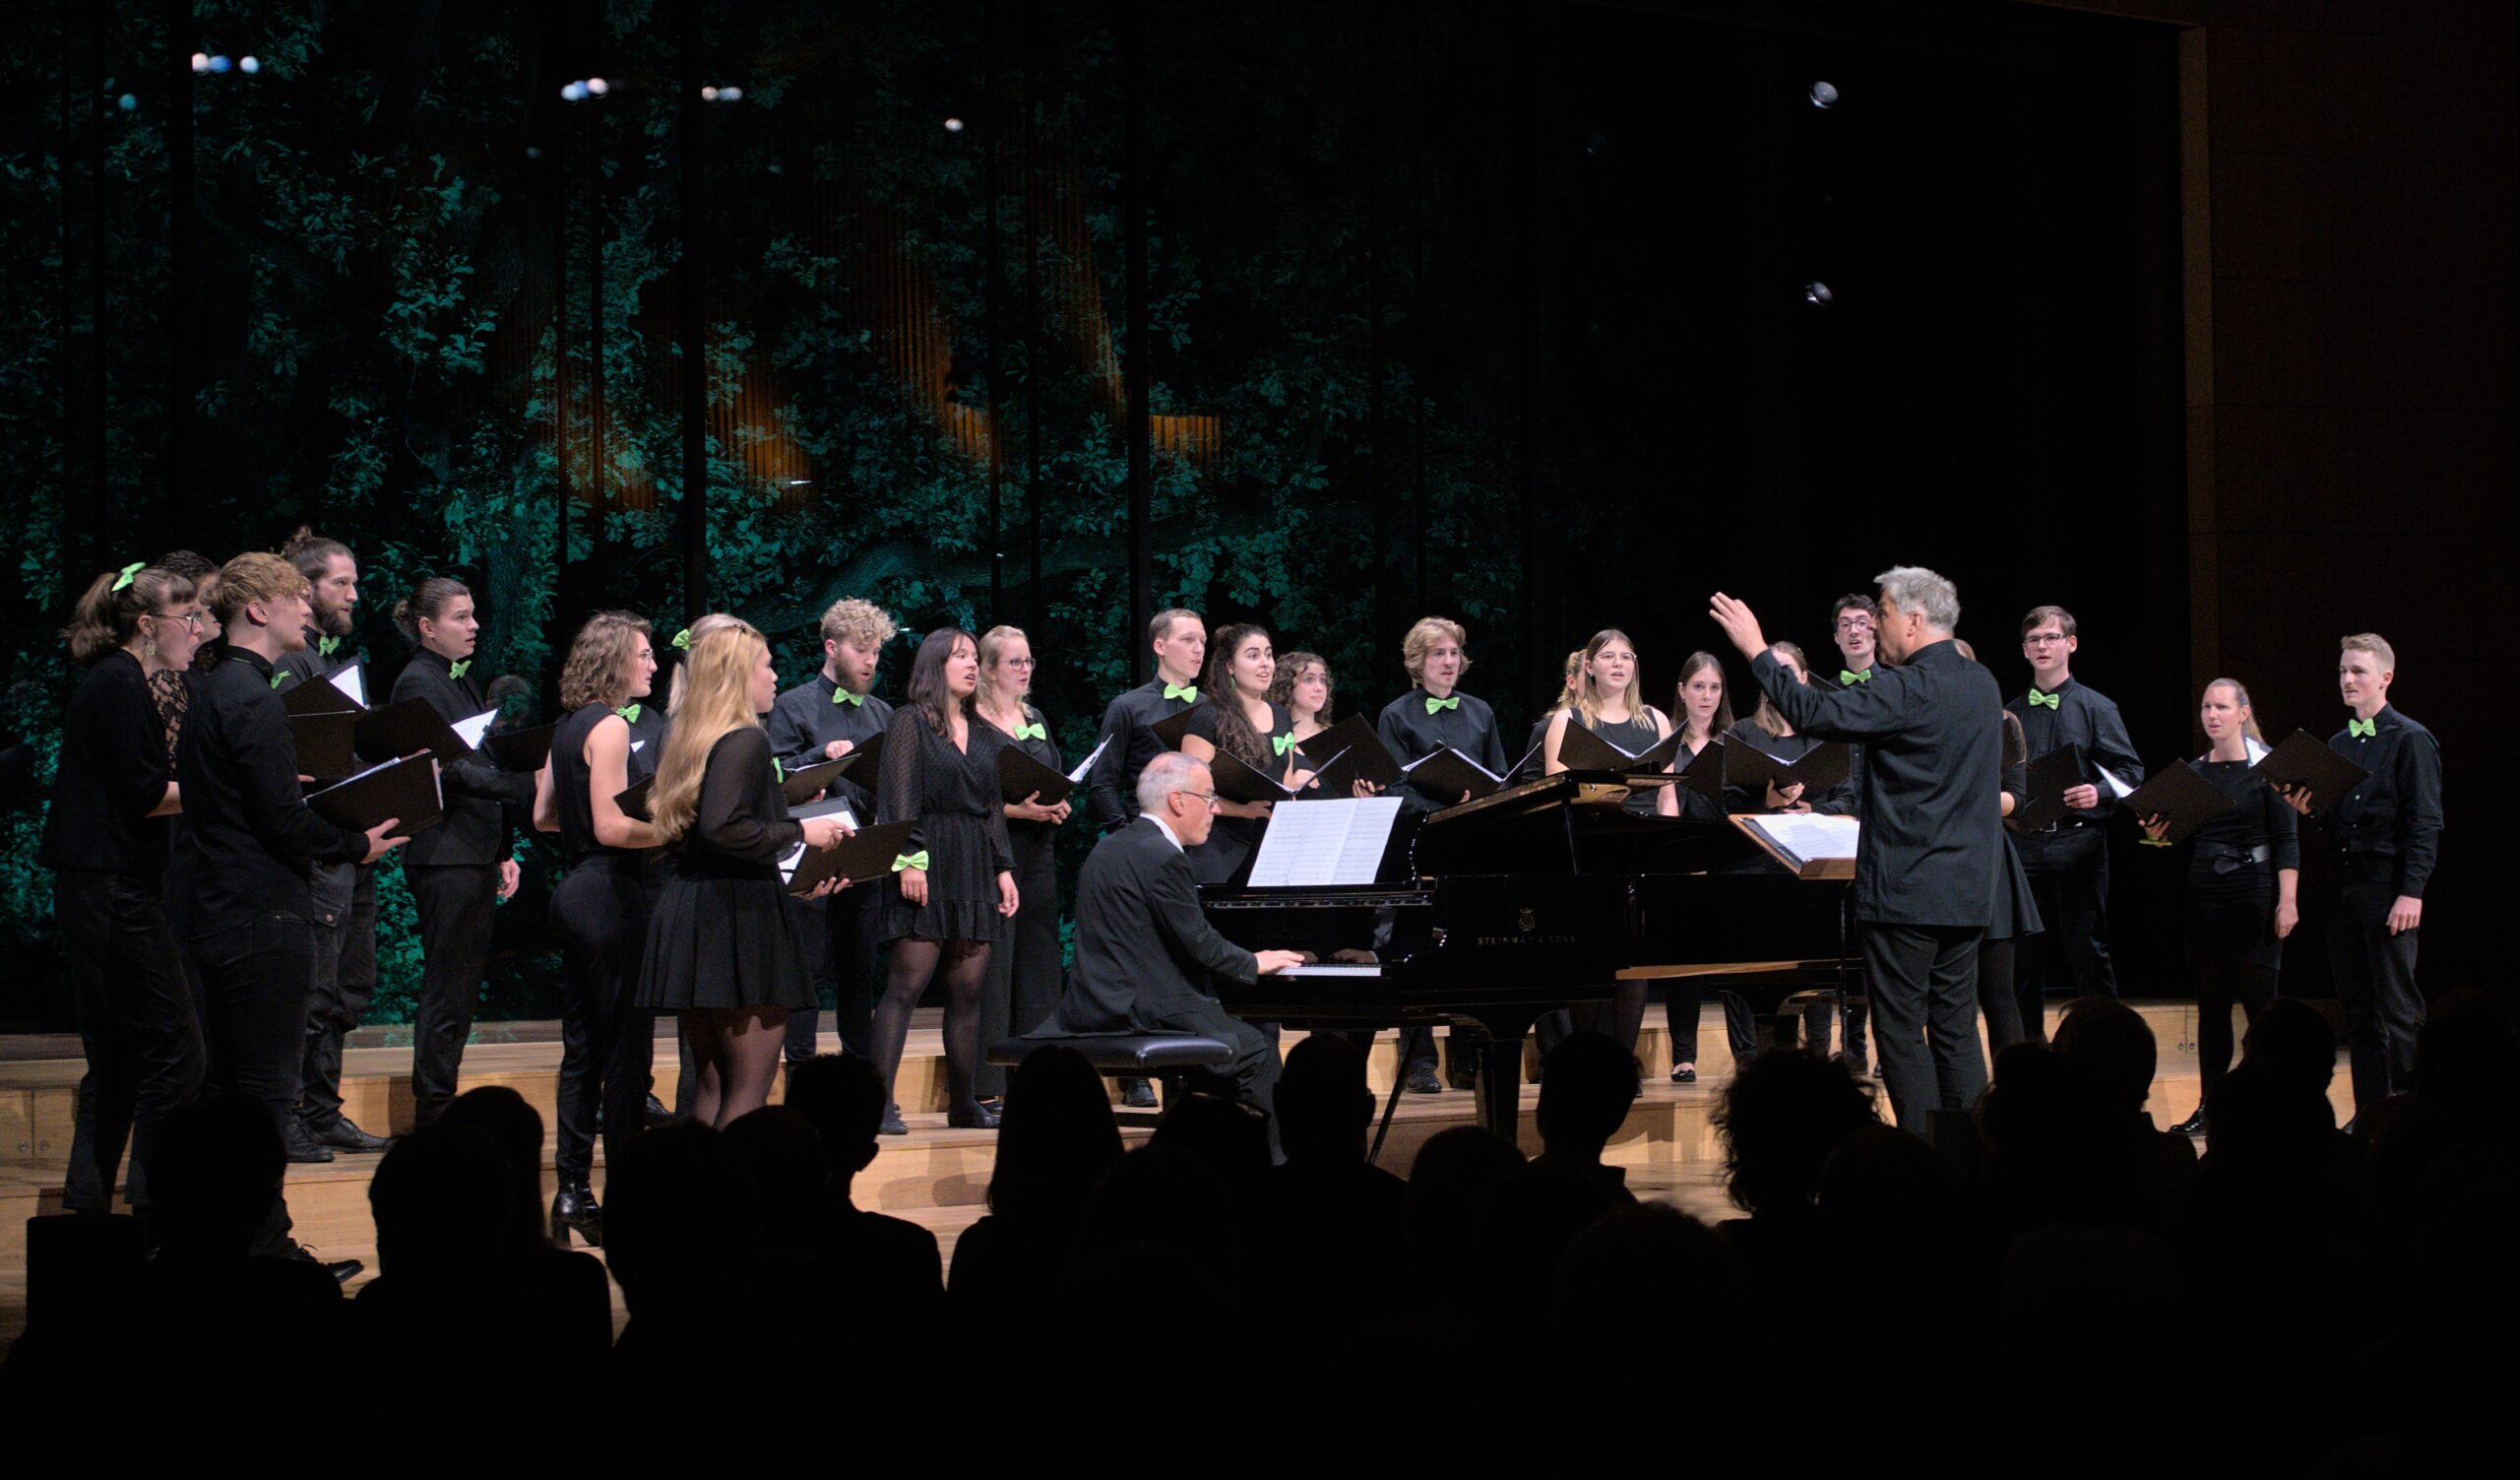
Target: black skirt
x=725 y=938
x=962 y=886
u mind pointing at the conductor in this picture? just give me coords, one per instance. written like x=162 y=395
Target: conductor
x=1144 y=950
x=1927 y=857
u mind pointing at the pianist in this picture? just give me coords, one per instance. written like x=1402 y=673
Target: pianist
x=1144 y=949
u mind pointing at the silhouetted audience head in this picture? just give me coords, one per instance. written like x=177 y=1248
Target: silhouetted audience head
x=1878 y=1180
x=217 y=1166
x=1607 y=1267
x=1324 y=1108
x=2295 y=1041
x=1451 y=1177
x=515 y=1127
x=2263 y=1121
x=1169 y=1198
x=1228 y=1134
x=1779 y=1119
x=843 y=1098
x=675 y=1219
x=1587 y=1084
x=2116 y=1041
x=1057 y=1136
x=780 y=1156
x=443 y=1202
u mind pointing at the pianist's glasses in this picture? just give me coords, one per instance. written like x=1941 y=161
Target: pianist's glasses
x=1210 y=798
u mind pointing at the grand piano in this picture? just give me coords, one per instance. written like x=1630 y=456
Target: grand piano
x=1540 y=896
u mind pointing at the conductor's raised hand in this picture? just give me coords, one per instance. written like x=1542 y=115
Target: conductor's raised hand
x=1739 y=623
x=1271 y=962
x=381 y=839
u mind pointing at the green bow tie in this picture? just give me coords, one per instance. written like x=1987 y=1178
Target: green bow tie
x=682 y=640
x=916 y=860
x=2050 y=700
x=327 y=646
x=629 y=712
x=1849 y=675
x=459 y=670
x=1434 y=703
x=1176 y=692
x=841 y=695
x=2363 y=729
x=1033 y=731
x=1282 y=743
x=277 y=676
x=128 y=571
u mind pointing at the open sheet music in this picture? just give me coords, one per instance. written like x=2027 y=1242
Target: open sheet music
x=1340 y=841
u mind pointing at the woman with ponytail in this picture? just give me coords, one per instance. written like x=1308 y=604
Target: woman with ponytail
x=106 y=839
x=726 y=947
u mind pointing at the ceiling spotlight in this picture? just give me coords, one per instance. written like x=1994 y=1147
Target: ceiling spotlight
x=248 y=65
x=730 y=95
x=1817 y=295
x=573 y=91
x=219 y=64
x=598 y=87
x=201 y=61
x=708 y=94
x=1824 y=95
x=953 y=125
x=127 y=103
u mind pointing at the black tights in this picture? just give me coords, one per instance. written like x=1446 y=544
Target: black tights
x=2219 y=983
x=913 y=963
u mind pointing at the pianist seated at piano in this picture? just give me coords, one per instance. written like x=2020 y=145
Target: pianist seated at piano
x=1145 y=952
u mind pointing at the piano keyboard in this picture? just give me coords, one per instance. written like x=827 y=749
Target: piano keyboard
x=1318 y=972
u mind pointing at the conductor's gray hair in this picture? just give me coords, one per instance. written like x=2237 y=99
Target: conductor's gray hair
x=1169 y=772
x=1913 y=588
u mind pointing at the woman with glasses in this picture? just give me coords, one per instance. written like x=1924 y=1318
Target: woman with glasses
x=107 y=840
x=1022 y=986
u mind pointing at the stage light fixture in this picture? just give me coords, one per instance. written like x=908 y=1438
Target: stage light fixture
x=1817 y=295
x=598 y=87
x=953 y=125
x=730 y=95
x=1824 y=95
x=219 y=64
x=708 y=94
x=573 y=91
x=127 y=103
x=249 y=65
x=201 y=61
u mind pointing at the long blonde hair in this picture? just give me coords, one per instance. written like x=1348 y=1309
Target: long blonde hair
x=716 y=701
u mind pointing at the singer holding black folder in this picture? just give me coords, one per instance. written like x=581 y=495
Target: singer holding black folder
x=953 y=885
x=1705 y=710
x=830 y=715
x=1128 y=739
x=106 y=839
x=1605 y=702
x=238 y=896
x=1238 y=719
x=1023 y=978
x=459 y=869
x=1929 y=854
x=2068 y=860
x=599 y=911
x=2243 y=876
x=726 y=942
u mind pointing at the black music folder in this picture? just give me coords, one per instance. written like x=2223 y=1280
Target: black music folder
x=2047 y=780
x=1020 y=776
x=1753 y=769
x=405 y=790
x=1351 y=752
x=634 y=801
x=803 y=784
x=2305 y=760
x=1238 y=780
x=518 y=750
x=327 y=742
x=1447 y=773
x=1579 y=750
x=316 y=696
x=1704 y=774
x=2179 y=797
x=865 y=855
x=1171 y=729
x=407 y=728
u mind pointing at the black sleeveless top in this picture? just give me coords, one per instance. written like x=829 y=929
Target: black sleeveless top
x=572 y=787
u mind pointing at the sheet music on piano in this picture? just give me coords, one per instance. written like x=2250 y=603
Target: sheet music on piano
x=1338 y=841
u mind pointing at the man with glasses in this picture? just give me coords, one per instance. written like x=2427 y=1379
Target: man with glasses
x=1145 y=950
x=1854 y=621
x=2067 y=861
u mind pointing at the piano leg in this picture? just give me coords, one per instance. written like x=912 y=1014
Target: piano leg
x=1501 y=1075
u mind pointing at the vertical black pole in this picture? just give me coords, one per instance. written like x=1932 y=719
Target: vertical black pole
x=99 y=487
x=1138 y=351
x=1037 y=608
x=1539 y=617
x=1417 y=306
x=1382 y=567
x=993 y=113
x=183 y=278
x=596 y=497
x=695 y=328
x=560 y=208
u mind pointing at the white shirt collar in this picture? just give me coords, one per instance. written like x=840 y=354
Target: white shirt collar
x=1166 y=829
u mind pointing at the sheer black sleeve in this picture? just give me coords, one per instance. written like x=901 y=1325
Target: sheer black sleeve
x=733 y=791
x=901 y=789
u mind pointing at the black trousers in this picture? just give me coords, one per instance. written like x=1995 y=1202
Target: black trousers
x=1684 y=996
x=841 y=947
x=1023 y=979
x=253 y=977
x=599 y=912
x=2221 y=982
x=137 y=1023
x=1924 y=1016
x=1255 y=1065
x=2374 y=980
x=1998 y=999
x=345 y=981
x=2069 y=879
x=456 y=902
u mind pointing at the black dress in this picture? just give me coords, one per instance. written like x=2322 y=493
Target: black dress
x=1636 y=736
x=723 y=932
x=951 y=798
x=1024 y=979
x=1230 y=843
x=2231 y=892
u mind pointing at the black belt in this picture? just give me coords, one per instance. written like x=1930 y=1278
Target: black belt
x=2233 y=859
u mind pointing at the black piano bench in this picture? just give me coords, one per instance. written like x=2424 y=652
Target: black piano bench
x=1165 y=1057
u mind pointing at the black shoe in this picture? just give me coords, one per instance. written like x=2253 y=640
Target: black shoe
x=575 y=1207
x=1684 y=1073
x=975 y=1117
x=2193 y=1125
x=302 y=1144
x=343 y=1134
x=343 y=1271
x=1137 y=1094
x=1422 y=1080
x=658 y=1115
x=893 y=1123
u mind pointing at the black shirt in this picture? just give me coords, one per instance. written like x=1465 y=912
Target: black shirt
x=248 y=835
x=2083 y=719
x=318 y=661
x=2258 y=819
x=1411 y=733
x=477 y=792
x=2396 y=811
x=1128 y=743
x=114 y=772
x=810 y=716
